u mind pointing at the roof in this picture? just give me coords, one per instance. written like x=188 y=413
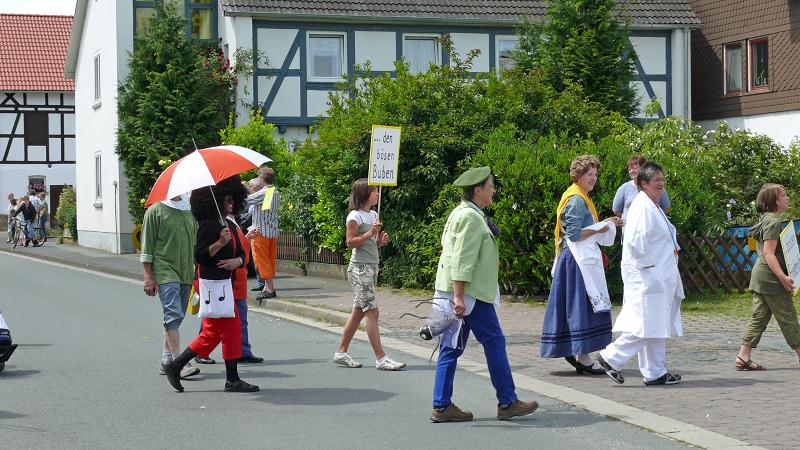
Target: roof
x=33 y=52
x=649 y=13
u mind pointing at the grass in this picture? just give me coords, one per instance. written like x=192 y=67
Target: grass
x=729 y=305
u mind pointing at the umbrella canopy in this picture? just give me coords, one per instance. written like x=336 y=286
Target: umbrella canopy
x=203 y=167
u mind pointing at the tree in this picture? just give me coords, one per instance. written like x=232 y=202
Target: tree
x=582 y=43
x=177 y=90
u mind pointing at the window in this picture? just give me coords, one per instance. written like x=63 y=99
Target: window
x=97 y=78
x=420 y=52
x=202 y=15
x=758 y=61
x=98 y=179
x=733 y=68
x=504 y=46
x=36 y=128
x=142 y=15
x=326 y=56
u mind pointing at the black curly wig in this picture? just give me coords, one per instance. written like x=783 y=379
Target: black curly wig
x=202 y=202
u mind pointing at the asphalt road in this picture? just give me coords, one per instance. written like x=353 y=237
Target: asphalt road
x=85 y=376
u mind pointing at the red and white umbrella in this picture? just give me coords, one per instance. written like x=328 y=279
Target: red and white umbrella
x=203 y=167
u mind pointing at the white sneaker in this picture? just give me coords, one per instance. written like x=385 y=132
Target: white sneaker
x=387 y=363
x=344 y=359
x=189 y=370
x=164 y=361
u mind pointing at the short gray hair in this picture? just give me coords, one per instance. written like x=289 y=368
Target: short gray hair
x=647 y=172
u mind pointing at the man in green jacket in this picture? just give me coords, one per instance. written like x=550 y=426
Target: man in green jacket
x=169 y=233
x=466 y=281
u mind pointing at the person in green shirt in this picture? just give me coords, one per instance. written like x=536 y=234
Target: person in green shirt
x=771 y=286
x=466 y=278
x=168 y=239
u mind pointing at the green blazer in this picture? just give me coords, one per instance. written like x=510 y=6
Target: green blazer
x=469 y=254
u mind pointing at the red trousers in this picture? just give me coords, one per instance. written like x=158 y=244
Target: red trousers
x=226 y=330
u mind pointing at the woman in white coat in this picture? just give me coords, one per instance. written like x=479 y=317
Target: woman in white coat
x=653 y=290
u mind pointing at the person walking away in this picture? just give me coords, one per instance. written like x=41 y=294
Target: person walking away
x=44 y=212
x=12 y=208
x=466 y=283
x=254 y=185
x=364 y=236
x=168 y=237
x=572 y=329
x=264 y=212
x=218 y=254
x=652 y=292
x=771 y=286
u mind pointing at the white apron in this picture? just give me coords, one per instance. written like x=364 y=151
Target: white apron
x=653 y=290
x=589 y=258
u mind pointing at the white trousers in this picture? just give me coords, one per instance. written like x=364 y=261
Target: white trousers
x=652 y=354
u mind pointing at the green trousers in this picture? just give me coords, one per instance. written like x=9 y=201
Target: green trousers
x=764 y=307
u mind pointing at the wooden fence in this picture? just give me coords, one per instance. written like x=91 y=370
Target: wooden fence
x=294 y=247
x=715 y=264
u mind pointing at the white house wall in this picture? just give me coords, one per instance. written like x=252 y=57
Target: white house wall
x=107 y=32
x=463 y=43
x=237 y=34
x=377 y=47
x=782 y=127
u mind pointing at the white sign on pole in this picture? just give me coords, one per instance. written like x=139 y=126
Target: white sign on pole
x=384 y=156
x=791 y=254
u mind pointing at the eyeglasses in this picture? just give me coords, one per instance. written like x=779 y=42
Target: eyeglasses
x=228 y=200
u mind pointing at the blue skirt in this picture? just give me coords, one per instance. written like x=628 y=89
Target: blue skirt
x=570 y=326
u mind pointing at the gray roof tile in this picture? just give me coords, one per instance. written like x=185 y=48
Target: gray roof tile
x=641 y=12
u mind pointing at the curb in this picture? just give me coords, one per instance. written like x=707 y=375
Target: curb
x=74 y=263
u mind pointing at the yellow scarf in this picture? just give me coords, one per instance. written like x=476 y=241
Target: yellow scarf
x=572 y=190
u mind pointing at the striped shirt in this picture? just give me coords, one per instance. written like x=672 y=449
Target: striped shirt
x=266 y=219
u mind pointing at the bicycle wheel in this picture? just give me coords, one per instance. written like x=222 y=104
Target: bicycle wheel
x=40 y=234
x=15 y=239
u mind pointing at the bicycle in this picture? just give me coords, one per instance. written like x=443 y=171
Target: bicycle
x=19 y=236
x=39 y=235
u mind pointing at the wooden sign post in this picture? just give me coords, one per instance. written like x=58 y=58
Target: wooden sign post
x=384 y=158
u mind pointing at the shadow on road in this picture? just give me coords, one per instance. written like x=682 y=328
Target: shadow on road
x=10 y=372
x=11 y=415
x=322 y=396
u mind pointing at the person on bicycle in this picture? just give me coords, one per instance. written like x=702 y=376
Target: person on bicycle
x=29 y=215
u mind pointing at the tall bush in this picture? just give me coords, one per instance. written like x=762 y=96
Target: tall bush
x=260 y=136
x=67 y=212
x=582 y=42
x=176 y=91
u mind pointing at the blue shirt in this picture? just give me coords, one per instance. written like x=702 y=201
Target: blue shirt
x=625 y=195
x=576 y=215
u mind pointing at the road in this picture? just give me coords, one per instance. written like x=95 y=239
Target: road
x=85 y=376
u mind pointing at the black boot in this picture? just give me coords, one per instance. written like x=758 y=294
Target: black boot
x=173 y=368
x=233 y=383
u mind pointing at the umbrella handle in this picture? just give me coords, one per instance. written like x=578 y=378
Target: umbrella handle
x=216 y=205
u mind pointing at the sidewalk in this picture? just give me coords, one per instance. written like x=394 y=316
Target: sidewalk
x=754 y=407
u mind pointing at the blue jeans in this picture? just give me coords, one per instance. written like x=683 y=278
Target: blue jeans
x=242 y=305
x=483 y=322
x=28 y=229
x=42 y=222
x=174 y=300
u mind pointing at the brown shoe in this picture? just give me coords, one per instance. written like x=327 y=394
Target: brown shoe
x=518 y=408
x=452 y=414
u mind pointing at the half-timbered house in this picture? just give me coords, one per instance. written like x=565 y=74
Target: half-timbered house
x=312 y=45
x=37 y=109
x=746 y=66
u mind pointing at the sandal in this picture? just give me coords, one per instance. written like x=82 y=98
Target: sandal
x=667 y=378
x=742 y=365
x=612 y=373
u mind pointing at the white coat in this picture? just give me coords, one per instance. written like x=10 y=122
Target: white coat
x=653 y=289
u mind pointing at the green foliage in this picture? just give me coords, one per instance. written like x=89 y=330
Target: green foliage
x=743 y=162
x=176 y=91
x=582 y=43
x=67 y=212
x=259 y=136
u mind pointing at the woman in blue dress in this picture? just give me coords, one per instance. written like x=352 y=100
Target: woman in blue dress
x=571 y=328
